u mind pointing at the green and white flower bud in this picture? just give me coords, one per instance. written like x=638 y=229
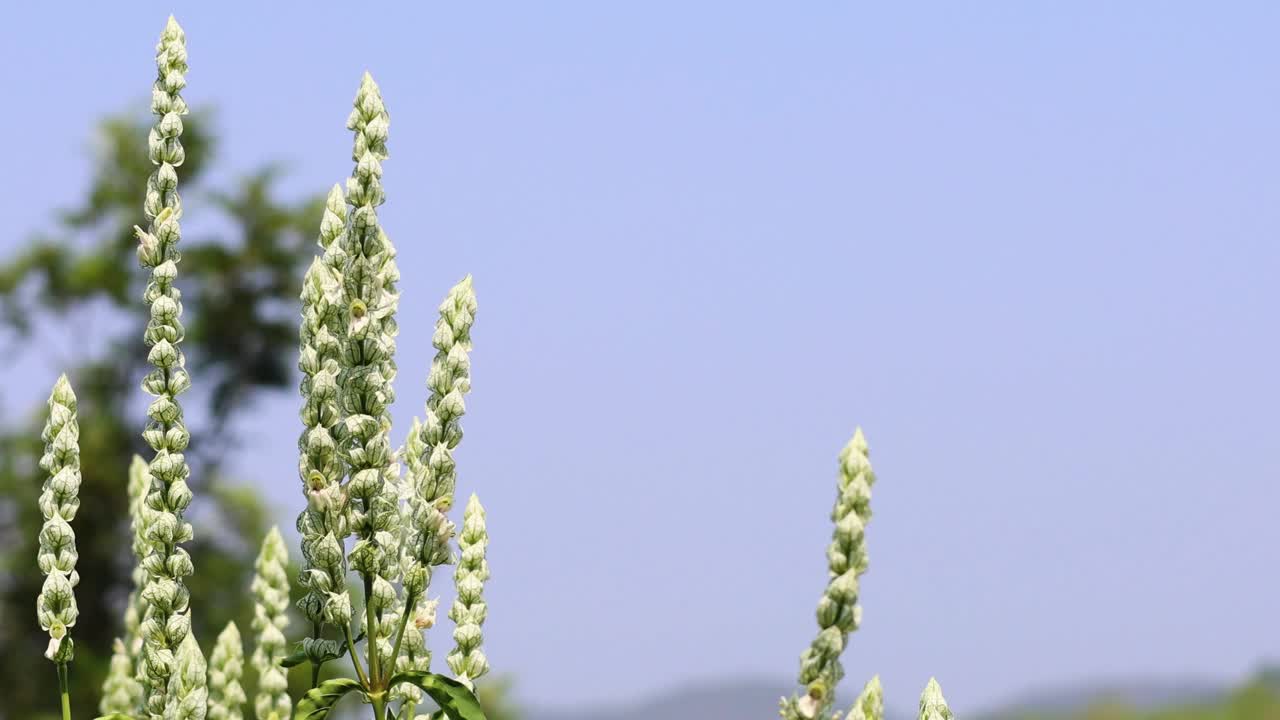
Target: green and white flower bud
x=320 y=465
x=468 y=612
x=59 y=500
x=165 y=625
x=226 y=667
x=140 y=518
x=838 y=611
x=271 y=601
x=433 y=475
x=121 y=693
x=870 y=703
x=932 y=705
x=188 y=693
x=367 y=337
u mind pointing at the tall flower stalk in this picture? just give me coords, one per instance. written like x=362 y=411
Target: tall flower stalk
x=432 y=475
x=226 y=667
x=838 y=611
x=368 y=368
x=122 y=690
x=354 y=483
x=271 y=600
x=121 y=693
x=59 y=500
x=140 y=519
x=323 y=523
x=469 y=610
x=167 y=622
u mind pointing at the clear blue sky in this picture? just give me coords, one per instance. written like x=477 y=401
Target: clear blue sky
x=1031 y=248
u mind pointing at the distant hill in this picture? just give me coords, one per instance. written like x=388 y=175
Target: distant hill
x=756 y=699
x=736 y=699
x=1069 y=701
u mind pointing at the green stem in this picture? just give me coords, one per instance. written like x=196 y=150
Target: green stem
x=371 y=631
x=315 y=667
x=64 y=687
x=409 y=606
x=379 y=700
x=355 y=659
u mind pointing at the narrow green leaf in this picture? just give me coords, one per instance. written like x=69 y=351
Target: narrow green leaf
x=318 y=701
x=455 y=699
x=295 y=658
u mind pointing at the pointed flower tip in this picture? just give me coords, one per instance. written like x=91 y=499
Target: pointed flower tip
x=473 y=504
x=932 y=695
x=231 y=631
x=172 y=30
x=465 y=286
x=62 y=394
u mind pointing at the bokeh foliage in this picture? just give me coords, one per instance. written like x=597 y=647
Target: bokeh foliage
x=240 y=288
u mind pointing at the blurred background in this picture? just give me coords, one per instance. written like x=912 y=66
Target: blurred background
x=1031 y=248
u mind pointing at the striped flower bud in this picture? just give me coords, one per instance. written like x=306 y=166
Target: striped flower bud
x=226 y=666
x=432 y=472
x=59 y=500
x=140 y=518
x=187 y=696
x=320 y=465
x=468 y=612
x=271 y=603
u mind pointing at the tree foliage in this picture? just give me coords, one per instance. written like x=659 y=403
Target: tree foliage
x=240 y=289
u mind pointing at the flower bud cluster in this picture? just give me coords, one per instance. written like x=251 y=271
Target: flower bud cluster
x=468 y=612
x=323 y=523
x=166 y=623
x=368 y=368
x=838 y=611
x=140 y=518
x=271 y=602
x=121 y=688
x=226 y=667
x=188 y=692
x=433 y=474
x=59 y=500
x=121 y=693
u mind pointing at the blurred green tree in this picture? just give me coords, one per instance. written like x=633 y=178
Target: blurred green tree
x=240 y=289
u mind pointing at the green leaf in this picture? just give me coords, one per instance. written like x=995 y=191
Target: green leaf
x=294 y=658
x=299 y=656
x=455 y=699
x=318 y=701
